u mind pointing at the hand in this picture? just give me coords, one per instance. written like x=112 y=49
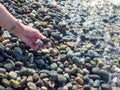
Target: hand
x=29 y=36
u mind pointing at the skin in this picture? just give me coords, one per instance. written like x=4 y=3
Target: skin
x=27 y=34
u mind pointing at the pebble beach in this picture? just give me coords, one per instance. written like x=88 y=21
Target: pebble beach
x=84 y=51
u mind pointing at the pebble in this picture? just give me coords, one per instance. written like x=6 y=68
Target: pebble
x=79 y=80
x=53 y=66
x=61 y=79
x=36 y=77
x=53 y=75
x=96 y=84
x=14 y=83
x=9 y=66
x=12 y=75
x=105 y=87
x=44 y=88
x=87 y=87
x=31 y=86
x=77 y=61
x=29 y=79
x=5 y=82
x=2 y=70
x=104 y=75
x=2 y=87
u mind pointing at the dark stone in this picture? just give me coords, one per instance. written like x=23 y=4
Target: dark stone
x=104 y=75
x=56 y=36
x=77 y=61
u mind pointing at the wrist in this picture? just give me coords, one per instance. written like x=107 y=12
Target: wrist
x=17 y=27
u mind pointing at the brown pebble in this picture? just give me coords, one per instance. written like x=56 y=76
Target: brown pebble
x=79 y=80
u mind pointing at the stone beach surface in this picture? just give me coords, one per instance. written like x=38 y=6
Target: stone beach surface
x=84 y=51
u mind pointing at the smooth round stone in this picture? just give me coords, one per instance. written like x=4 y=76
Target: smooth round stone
x=61 y=79
x=13 y=75
x=77 y=61
x=18 y=63
x=77 y=54
x=18 y=49
x=53 y=66
x=60 y=65
x=87 y=87
x=67 y=70
x=87 y=59
x=23 y=80
x=29 y=79
x=104 y=75
x=63 y=57
x=27 y=71
x=67 y=76
x=40 y=62
x=24 y=71
x=31 y=71
x=79 y=80
x=36 y=77
x=2 y=87
x=2 y=75
x=44 y=88
x=9 y=66
x=56 y=36
x=14 y=83
x=70 y=54
x=106 y=87
x=2 y=70
x=95 y=70
x=53 y=74
x=69 y=85
x=94 y=76
x=18 y=79
x=43 y=75
x=45 y=51
x=31 y=86
x=59 y=70
x=86 y=71
x=5 y=82
x=96 y=84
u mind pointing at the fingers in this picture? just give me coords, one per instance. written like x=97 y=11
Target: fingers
x=40 y=36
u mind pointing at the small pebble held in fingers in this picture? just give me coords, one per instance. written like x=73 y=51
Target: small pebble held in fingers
x=40 y=43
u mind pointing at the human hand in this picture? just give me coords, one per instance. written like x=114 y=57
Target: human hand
x=29 y=36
